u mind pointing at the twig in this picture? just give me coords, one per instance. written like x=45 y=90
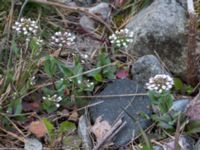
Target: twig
x=79 y=109
x=15 y=126
x=91 y=105
x=12 y=134
x=75 y=9
x=7 y=27
x=22 y=9
x=177 y=134
x=117 y=95
x=117 y=130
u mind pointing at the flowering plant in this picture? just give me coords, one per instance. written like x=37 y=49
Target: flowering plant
x=121 y=38
x=160 y=83
x=26 y=27
x=60 y=39
x=51 y=103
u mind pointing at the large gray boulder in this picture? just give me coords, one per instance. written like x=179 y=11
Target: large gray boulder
x=145 y=67
x=161 y=27
x=114 y=107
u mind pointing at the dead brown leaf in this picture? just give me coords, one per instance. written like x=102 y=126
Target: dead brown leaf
x=100 y=128
x=38 y=128
x=73 y=117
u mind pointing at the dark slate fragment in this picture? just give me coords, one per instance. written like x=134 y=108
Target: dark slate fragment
x=112 y=107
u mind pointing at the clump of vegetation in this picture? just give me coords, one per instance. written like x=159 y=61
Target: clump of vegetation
x=45 y=79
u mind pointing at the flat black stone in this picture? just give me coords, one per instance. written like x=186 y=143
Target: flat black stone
x=112 y=107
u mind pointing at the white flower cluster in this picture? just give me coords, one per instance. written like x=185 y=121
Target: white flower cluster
x=88 y=83
x=60 y=39
x=55 y=98
x=121 y=38
x=25 y=26
x=160 y=83
x=32 y=80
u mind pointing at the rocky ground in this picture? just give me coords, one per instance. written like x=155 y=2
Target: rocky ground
x=99 y=74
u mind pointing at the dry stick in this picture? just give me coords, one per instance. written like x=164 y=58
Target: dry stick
x=111 y=96
x=108 y=134
x=76 y=9
x=117 y=130
x=15 y=126
x=13 y=135
x=22 y=9
x=177 y=134
x=85 y=107
x=7 y=27
x=192 y=65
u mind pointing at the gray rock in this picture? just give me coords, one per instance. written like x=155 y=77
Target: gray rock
x=146 y=67
x=186 y=143
x=85 y=3
x=102 y=9
x=197 y=145
x=112 y=107
x=87 y=24
x=161 y=27
x=32 y=144
x=180 y=105
x=82 y=3
x=157 y=148
x=84 y=133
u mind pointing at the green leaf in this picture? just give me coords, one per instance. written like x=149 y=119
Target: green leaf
x=66 y=126
x=34 y=47
x=66 y=71
x=193 y=127
x=50 y=127
x=178 y=84
x=50 y=65
x=166 y=101
x=15 y=49
x=18 y=106
x=154 y=96
x=78 y=69
x=189 y=89
x=98 y=77
x=15 y=106
x=49 y=106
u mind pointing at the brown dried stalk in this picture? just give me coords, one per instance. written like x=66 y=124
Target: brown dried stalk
x=192 y=65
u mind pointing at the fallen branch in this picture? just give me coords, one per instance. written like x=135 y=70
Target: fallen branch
x=117 y=95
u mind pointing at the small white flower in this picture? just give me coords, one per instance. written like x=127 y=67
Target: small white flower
x=160 y=83
x=25 y=26
x=32 y=81
x=55 y=98
x=30 y=28
x=58 y=99
x=60 y=39
x=57 y=105
x=79 y=81
x=121 y=38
